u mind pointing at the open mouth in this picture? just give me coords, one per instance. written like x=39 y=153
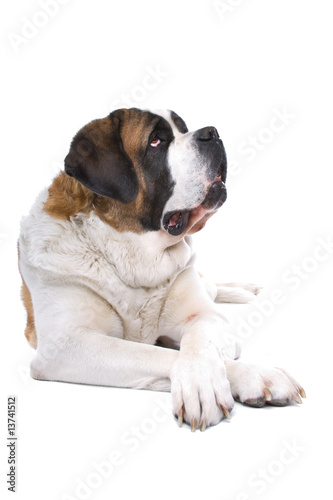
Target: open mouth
x=176 y=222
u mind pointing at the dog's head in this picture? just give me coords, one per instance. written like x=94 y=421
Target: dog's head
x=159 y=176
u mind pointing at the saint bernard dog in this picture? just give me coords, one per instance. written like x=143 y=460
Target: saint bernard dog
x=112 y=294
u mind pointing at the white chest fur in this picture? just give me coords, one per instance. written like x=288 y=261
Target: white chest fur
x=132 y=272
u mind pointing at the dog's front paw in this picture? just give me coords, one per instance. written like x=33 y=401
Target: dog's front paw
x=256 y=386
x=200 y=390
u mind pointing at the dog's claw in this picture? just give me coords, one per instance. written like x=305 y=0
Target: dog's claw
x=225 y=411
x=180 y=417
x=194 y=425
x=302 y=392
x=268 y=395
x=203 y=426
x=297 y=398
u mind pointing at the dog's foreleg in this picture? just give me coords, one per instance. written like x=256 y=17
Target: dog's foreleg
x=93 y=358
x=200 y=390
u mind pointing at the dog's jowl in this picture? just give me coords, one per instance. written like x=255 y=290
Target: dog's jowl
x=109 y=283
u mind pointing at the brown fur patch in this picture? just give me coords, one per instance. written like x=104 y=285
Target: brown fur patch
x=30 y=330
x=67 y=198
x=135 y=131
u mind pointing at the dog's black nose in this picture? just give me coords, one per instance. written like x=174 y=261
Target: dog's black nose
x=207 y=134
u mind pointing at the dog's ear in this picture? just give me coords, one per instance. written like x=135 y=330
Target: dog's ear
x=179 y=122
x=97 y=159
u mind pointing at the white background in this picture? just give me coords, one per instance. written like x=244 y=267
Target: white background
x=235 y=69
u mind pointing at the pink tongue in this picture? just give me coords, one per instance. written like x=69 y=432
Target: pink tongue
x=173 y=220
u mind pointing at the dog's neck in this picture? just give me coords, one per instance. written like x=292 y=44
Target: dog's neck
x=140 y=258
x=140 y=261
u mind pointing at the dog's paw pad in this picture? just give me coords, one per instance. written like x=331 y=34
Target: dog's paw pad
x=255 y=402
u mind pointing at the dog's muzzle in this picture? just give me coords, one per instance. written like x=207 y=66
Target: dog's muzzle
x=175 y=222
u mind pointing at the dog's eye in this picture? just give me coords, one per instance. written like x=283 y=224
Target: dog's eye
x=155 y=142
